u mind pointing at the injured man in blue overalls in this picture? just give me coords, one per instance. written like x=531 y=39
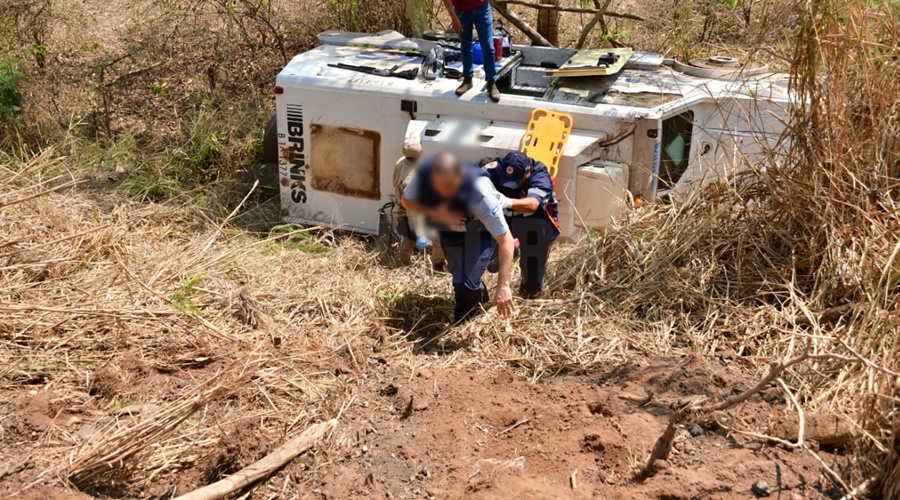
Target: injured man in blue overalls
x=460 y=201
x=527 y=198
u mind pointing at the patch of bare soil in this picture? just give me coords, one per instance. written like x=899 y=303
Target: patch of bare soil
x=451 y=433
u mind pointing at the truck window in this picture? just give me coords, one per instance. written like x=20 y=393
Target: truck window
x=676 y=148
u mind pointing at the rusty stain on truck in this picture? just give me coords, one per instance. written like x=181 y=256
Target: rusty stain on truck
x=345 y=161
x=287 y=154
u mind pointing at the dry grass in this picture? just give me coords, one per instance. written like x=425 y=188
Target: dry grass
x=803 y=256
x=123 y=456
x=99 y=293
x=97 y=299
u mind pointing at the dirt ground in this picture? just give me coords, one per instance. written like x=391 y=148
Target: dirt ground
x=437 y=432
x=448 y=424
x=452 y=434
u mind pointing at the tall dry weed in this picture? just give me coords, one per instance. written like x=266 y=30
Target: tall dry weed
x=806 y=255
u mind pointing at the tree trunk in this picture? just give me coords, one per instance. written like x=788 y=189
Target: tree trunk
x=417 y=16
x=548 y=22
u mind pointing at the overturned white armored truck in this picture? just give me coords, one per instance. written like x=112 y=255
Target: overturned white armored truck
x=656 y=127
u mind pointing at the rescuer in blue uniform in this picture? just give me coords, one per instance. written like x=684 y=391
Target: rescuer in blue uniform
x=531 y=211
x=461 y=202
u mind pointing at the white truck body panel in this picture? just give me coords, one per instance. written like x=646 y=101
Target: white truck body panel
x=341 y=132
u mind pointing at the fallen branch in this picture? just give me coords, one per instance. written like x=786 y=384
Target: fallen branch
x=598 y=18
x=663 y=445
x=801 y=425
x=801 y=416
x=562 y=8
x=264 y=467
x=521 y=25
x=826 y=429
x=775 y=371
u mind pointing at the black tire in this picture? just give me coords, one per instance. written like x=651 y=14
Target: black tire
x=265 y=172
x=270 y=141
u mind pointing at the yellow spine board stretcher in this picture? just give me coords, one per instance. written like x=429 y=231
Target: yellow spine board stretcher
x=546 y=137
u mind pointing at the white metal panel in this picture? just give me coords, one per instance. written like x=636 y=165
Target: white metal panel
x=602 y=194
x=727 y=114
x=300 y=200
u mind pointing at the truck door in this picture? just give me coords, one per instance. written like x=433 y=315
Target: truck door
x=722 y=141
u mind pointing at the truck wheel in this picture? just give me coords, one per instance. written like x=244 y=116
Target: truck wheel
x=270 y=141
x=267 y=172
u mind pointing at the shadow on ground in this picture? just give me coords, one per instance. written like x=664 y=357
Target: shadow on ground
x=425 y=321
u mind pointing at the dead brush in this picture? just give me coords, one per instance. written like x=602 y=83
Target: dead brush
x=128 y=290
x=798 y=262
x=804 y=259
x=147 y=448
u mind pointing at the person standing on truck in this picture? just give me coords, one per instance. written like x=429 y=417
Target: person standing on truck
x=464 y=16
x=459 y=199
x=526 y=195
x=411 y=226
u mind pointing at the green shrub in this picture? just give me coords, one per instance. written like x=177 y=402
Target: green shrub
x=213 y=145
x=11 y=77
x=11 y=99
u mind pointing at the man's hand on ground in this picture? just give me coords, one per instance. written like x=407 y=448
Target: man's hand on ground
x=504 y=301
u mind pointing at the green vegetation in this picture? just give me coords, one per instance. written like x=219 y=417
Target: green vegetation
x=298 y=238
x=347 y=11
x=183 y=299
x=11 y=99
x=12 y=77
x=116 y=404
x=177 y=168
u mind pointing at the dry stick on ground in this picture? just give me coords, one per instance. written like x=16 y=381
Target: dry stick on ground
x=801 y=424
x=264 y=467
x=513 y=426
x=663 y=445
x=801 y=416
